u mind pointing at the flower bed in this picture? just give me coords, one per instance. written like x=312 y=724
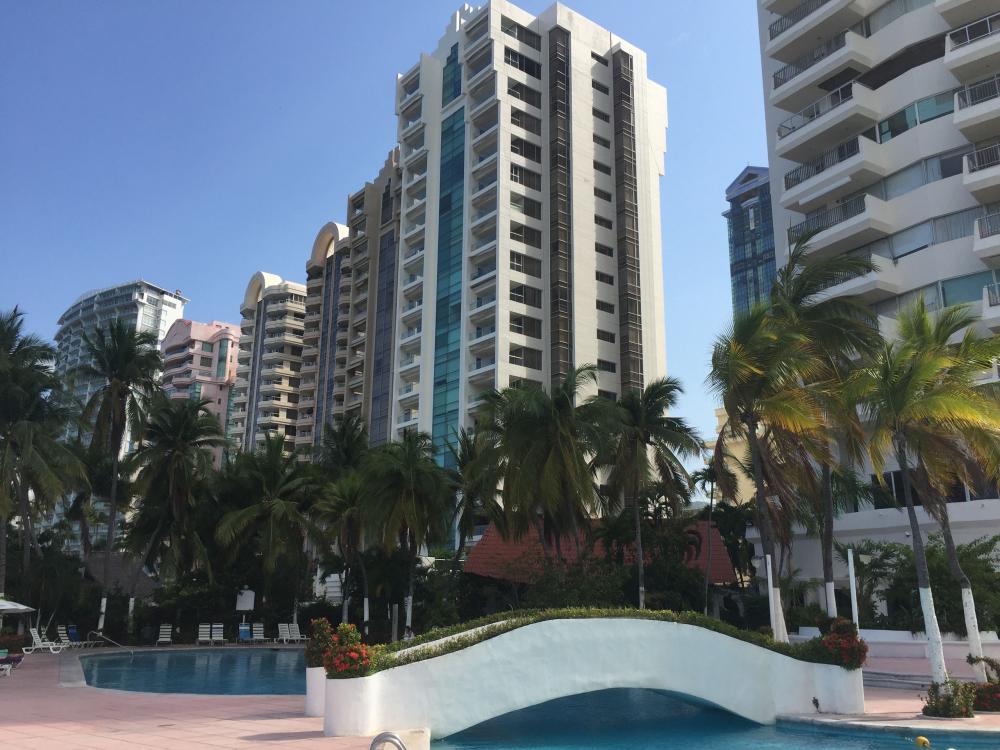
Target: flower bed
x=987 y=697
x=348 y=656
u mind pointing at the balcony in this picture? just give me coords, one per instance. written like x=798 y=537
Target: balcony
x=408 y=417
x=413 y=231
x=412 y=157
x=795 y=32
x=958 y=12
x=981 y=173
x=881 y=284
x=408 y=100
x=409 y=363
x=977 y=109
x=412 y=309
x=973 y=51
x=484 y=275
x=842 y=170
x=828 y=121
x=986 y=240
x=412 y=281
x=480 y=335
x=409 y=391
x=799 y=82
x=854 y=222
x=991 y=307
x=411 y=336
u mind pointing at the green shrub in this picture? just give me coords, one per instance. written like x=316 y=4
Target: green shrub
x=319 y=643
x=987 y=697
x=951 y=700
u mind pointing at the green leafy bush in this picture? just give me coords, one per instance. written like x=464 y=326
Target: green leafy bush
x=951 y=700
x=319 y=643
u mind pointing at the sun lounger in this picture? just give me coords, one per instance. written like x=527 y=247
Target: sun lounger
x=166 y=637
x=75 y=638
x=258 y=633
x=283 y=635
x=64 y=639
x=204 y=633
x=294 y=634
x=217 y=634
x=37 y=643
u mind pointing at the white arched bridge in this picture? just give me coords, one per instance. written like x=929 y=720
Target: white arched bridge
x=558 y=658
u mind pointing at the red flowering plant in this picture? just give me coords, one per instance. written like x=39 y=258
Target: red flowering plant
x=843 y=646
x=987 y=693
x=347 y=655
x=320 y=641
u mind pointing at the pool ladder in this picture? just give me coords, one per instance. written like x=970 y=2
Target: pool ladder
x=387 y=738
x=99 y=634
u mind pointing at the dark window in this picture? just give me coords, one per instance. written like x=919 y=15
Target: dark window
x=598 y=86
x=527 y=149
x=525 y=93
x=523 y=120
x=519 y=61
x=205 y=361
x=526 y=325
x=604 y=366
x=516 y=30
x=604 y=195
x=602 y=222
x=526 y=295
x=525 y=264
x=602 y=167
x=526 y=357
x=527 y=235
x=604 y=250
x=602 y=141
x=605 y=336
x=609 y=395
x=525 y=177
x=527 y=206
x=605 y=307
x=605 y=278
x=603 y=116
x=597 y=58
x=516 y=382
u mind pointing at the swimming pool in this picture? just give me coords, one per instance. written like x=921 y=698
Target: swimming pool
x=630 y=719
x=209 y=671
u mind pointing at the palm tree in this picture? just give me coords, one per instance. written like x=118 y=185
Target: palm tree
x=345 y=444
x=476 y=489
x=278 y=492
x=646 y=445
x=175 y=459
x=701 y=479
x=126 y=363
x=342 y=513
x=408 y=498
x=540 y=444
x=916 y=397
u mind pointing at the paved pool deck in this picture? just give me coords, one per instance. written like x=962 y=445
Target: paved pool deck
x=37 y=711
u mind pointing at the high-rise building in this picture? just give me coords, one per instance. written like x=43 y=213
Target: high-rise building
x=145 y=306
x=199 y=363
x=269 y=364
x=530 y=152
x=751 y=239
x=883 y=129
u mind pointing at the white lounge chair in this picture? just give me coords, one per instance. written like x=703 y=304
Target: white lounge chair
x=257 y=630
x=283 y=635
x=64 y=639
x=293 y=633
x=204 y=633
x=166 y=637
x=217 y=634
x=37 y=643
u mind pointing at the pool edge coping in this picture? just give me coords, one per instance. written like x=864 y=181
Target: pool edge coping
x=876 y=725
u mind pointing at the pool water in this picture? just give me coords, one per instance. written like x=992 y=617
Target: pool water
x=632 y=719
x=210 y=671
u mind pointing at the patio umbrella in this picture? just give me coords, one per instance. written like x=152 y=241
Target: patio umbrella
x=13 y=608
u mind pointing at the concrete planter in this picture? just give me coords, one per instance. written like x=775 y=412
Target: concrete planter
x=350 y=707
x=315 y=690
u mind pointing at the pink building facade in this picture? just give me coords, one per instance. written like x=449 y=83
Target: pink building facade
x=199 y=362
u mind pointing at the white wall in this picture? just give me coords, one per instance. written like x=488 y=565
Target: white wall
x=558 y=658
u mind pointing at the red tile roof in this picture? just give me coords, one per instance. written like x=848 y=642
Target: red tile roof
x=520 y=560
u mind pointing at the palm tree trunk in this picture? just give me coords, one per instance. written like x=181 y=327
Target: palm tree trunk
x=409 y=587
x=24 y=509
x=826 y=534
x=968 y=602
x=708 y=557
x=3 y=554
x=935 y=646
x=345 y=597
x=85 y=543
x=112 y=521
x=640 y=558
x=763 y=521
x=364 y=592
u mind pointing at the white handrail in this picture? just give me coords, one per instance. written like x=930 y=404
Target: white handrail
x=101 y=635
x=387 y=737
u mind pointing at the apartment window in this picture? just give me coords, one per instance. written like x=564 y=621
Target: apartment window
x=526 y=357
x=527 y=206
x=605 y=278
x=609 y=395
x=526 y=325
x=526 y=295
x=519 y=32
x=604 y=249
x=527 y=149
x=602 y=116
x=526 y=235
x=604 y=366
x=516 y=382
x=517 y=60
x=597 y=58
x=605 y=307
x=605 y=336
x=205 y=361
x=602 y=222
x=525 y=177
x=525 y=264
x=207 y=346
x=601 y=141
x=598 y=86
x=602 y=167
x=604 y=195
x=525 y=93
x=523 y=120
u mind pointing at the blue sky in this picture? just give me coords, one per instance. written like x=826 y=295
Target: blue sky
x=192 y=143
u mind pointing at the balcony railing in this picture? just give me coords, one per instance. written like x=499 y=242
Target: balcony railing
x=989 y=225
x=993 y=294
x=817 y=109
x=802 y=64
x=975 y=31
x=977 y=93
x=786 y=22
x=826 y=219
x=983 y=158
x=834 y=156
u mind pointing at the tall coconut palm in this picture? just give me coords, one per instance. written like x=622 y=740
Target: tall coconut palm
x=341 y=512
x=475 y=486
x=646 y=446
x=541 y=445
x=914 y=397
x=125 y=362
x=408 y=503
x=174 y=459
x=345 y=443
x=701 y=479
